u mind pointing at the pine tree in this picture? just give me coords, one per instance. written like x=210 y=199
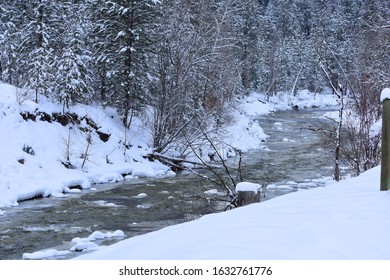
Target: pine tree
x=122 y=47
x=247 y=28
x=37 y=52
x=74 y=64
x=9 y=42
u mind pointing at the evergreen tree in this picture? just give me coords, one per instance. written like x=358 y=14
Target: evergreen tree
x=122 y=39
x=74 y=64
x=248 y=30
x=9 y=44
x=37 y=52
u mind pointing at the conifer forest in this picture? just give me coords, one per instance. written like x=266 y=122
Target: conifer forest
x=184 y=61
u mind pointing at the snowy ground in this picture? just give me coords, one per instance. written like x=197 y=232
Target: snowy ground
x=346 y=220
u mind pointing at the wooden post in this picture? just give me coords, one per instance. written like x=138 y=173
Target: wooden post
x=385 y=164
x=247 y=193
x=247 y=197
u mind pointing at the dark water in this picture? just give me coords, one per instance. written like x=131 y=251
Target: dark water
x=292 y=158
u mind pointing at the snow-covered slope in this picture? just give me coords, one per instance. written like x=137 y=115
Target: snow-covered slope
x=346 y=220
x=37 y=141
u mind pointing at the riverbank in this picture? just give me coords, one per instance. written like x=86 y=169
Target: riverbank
x=44 y=154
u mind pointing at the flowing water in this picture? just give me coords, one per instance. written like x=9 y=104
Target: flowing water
x=292 y=159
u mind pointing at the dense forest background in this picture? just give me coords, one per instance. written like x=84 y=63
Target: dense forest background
x=183 y=62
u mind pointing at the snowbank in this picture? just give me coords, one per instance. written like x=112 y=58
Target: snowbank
x=346 y=220
x=38 y=141
x=245 y=133
x=303 y=99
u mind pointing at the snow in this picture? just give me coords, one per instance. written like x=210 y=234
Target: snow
x=44 y=254
x=214 y=192
x=98 y=235
x=140 y=195
x=79 y=245
x=346 y=220
x=376 y=128
x=84 y=246
x=302 y=99
x=385 y=94
x=104 y=203
x=144 y=206
x=272 y=186
x=248 y=187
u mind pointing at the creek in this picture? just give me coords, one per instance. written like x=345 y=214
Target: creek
x=292 y=159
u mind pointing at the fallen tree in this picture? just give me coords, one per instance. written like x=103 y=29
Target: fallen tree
x=178 y=163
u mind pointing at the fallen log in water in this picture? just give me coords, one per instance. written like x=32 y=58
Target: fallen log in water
x=178 y=163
